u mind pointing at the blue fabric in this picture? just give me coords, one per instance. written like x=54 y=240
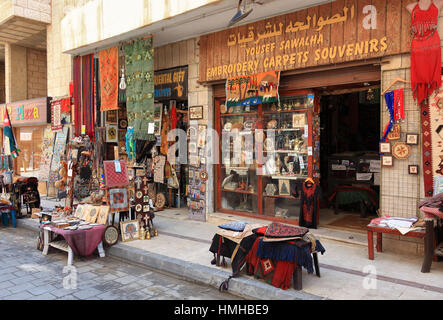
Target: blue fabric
x=234 y=225
x=389 y=98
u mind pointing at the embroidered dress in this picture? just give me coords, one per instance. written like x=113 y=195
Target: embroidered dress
x=310 y=205
x=425 y=52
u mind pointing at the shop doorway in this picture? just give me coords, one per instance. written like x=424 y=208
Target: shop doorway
x=349 y=156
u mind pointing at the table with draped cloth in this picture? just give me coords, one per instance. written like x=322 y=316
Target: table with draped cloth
x=81 y=242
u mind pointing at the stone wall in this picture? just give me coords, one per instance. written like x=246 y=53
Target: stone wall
x=15 y=73
x=2 y=83
x=59 y=64
x=39 y=10
x=37 y=73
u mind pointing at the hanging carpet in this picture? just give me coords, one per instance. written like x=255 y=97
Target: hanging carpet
x=109 y=79
x=139 y=59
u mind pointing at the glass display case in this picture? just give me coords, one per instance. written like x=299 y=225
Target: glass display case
x=265 y=151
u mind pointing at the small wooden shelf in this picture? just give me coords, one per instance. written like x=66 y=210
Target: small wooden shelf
x=239 y=191
x=279 y=196
x=239 y=114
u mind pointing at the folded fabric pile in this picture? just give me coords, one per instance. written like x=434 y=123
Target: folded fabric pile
x=404 y=225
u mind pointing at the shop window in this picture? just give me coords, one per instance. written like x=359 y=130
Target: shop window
x=29 y=141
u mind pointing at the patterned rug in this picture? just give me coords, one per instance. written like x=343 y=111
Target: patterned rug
x=427 y=149
x=109 y=79
x=351 y=221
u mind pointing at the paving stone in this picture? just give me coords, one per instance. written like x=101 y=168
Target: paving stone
x=45 y=296
x=126 y=279
x=21 y=287
x=24 y=295
x=86 y=293
x=39 y=290
x=5 y=293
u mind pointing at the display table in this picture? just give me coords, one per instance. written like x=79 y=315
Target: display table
x=371 y=228
x=433 y=245
x=78 y=242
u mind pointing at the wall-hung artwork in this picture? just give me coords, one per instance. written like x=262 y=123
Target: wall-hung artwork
x=401 y=150
x=103 y=214
x=385 y=147
x=118 y=199
x=192 y=133
x=192 y=147
x=387 y=161
x=284 y=187
x=85 y=212
x=196 y=113
x=298 y=120
x=111 y=133
x=413 y=169
x=395 y=133
x=201 y=136
x=111 y=117
x=130 y=230
x=412 y=139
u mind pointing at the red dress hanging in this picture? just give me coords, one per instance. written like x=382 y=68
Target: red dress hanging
x=425 y=52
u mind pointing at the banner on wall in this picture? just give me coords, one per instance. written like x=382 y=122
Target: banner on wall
x=436 y=126
x=252 y=90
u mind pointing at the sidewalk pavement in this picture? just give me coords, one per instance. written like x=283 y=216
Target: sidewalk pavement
x=182 y=248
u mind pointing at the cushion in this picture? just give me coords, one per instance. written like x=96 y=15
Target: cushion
x=279 y=230
x=234 y=225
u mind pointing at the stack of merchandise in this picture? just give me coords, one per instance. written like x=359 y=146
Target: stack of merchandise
x=278 y=250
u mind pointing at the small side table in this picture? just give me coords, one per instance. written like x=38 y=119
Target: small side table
x=5 y=211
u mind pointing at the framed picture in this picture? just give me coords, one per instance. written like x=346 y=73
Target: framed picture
x=85 y=212
x=111 y=116
x=118 y=199
x=413 y=169
x=387 y=161
x=401 y=150
x=192 y=147
x=112 y=133
x=192 y=133
x=411 y=138
x=79 y=211
x=385 y=147
x=298 y=120
x=130 y=230
x=122 y=136
x=284 y=188
x=103 y=214
x=201 y=141
x=196 y=113
x=395 y=133
x=194 y=161
x=92 y=214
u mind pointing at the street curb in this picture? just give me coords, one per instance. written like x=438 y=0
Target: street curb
x=241 y=286
x=245 y=287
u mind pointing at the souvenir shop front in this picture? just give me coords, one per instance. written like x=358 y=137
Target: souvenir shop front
x=29 y=119
x=298 y=106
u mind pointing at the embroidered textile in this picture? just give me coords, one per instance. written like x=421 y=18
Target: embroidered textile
x=427 y=149
x=436 y=116
x=109 y=79
x=425 y=52
x=310 y=205
x=278 y=230
x=77 y=84
x=139 y=58
x=88 y=105
x=234 y=225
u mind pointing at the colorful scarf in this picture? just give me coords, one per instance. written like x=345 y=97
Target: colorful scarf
x=88 y=105
x=77 y=83
x=140 y=87
x=109 y=79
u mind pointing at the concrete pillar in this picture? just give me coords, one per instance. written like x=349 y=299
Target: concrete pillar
x=16 y=79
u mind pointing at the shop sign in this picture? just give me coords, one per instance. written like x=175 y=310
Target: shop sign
x=171 y=84
x=336 y=32
x=28 y=112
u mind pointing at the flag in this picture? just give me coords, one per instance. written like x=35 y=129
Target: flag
x=11 y=147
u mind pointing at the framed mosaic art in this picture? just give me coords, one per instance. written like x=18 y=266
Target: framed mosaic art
x=412 y=139
x=92 y=214
x=118 y=199
x=385 y=147
x=413 y=169
x=387 y=161
x=196 y=113
x=130 y=230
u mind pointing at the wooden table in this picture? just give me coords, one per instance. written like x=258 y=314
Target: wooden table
x=371 y=228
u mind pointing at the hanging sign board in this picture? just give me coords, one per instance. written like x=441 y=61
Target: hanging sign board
x=27 y=112
x=335 y=32
x=171 y=84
